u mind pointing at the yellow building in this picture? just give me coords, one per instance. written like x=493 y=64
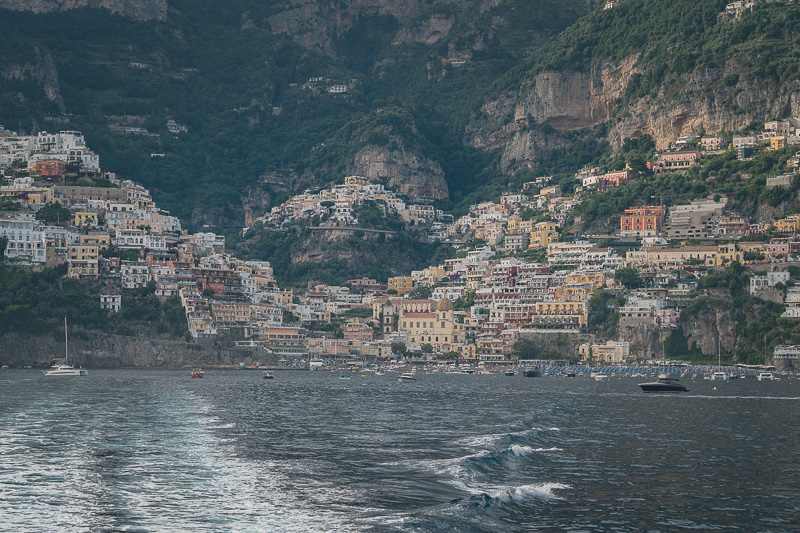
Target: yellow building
x=85 y=218
x=439 y=328
x=790 y=224
x=543 y=234
x=514 y=222
x=356 y=180
x=401 y=284
x=83 y=259
x=570 y=314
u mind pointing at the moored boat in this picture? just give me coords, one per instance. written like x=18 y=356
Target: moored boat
x=268 y=375
x=532 y=373
x=766 y=376
x=65 y=369
x=663 y=384
x=406 y=377
x=197 y=373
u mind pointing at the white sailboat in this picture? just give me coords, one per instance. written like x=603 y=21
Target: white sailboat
x=66 y=369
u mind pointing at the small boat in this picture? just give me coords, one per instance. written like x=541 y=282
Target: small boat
x=406 y=376
x=600 y=376
x=468 y=371
x=663 y=384
x=766 y=376
x=532 y=373
x=379 y=373
x=268 y=375
x=66 y=369
x=342 y=376
x=570 y=374
x=510 y=373
x=197 y=373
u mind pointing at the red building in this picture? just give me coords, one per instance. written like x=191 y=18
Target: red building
x=642 y=221
x=50 y=168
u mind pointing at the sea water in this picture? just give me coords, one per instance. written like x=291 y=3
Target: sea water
x=154 y=450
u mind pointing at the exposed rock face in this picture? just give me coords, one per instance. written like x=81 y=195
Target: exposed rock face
x=427 y=32
x=111 y=351
x=136 y=9
x=693 y=111
x=573 y=100
x=43 y=69
x=319 y=23
x=413 y=174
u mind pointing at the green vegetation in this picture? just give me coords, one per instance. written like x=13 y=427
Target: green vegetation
x=37 y=302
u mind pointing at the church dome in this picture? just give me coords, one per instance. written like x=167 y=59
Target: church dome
x=445 y=305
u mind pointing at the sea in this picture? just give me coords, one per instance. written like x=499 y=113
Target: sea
x=155 y=450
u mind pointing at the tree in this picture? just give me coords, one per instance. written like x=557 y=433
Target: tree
x=525 y=349
x=629 y=278
x=426 y=348
x=399 y=348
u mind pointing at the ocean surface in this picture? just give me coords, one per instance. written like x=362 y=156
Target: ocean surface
x=153 y=450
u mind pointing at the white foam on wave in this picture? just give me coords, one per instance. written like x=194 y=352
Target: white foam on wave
x=518 y=450
x=543 y=491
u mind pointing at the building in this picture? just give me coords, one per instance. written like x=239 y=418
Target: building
x=400 y=284
x=543 y=234
x=674 y=161
x=610 y=352
x=438 y=328
x=642 y=221
x=111 y=302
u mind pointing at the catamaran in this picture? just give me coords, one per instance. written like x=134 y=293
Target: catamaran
x=66 y=369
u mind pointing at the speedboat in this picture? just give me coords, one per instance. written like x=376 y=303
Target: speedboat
x=600 y=377
x=766 y=376
x=663 y=384
x=197 y=373
x=510 y=373
x=268 y=375
x=406 y=376
x=532 y=373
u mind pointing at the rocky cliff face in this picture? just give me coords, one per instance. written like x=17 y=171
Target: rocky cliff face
x=113 y=352
x=135 y=9
x=410 y=172
x=42 y=69
x=684 y=106
x=319 y=23
x=573 y=100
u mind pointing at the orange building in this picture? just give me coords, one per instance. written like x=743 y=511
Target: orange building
x=50 y=168
x=642 y=221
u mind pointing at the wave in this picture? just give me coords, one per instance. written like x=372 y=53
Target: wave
x=527 y=450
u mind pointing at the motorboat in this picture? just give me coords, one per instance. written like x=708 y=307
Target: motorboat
x=66 y=369
x=406 y=377
x=600 y=376
x=510 y=373
x=532 y=373
x=663 y=384
x=197 y=373
x=268 y=375
x=766 y=376
x=570 y=374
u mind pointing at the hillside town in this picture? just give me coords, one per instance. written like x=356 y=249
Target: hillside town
x=516 y=270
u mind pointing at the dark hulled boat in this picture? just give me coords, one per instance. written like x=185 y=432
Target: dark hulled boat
x=663 y=384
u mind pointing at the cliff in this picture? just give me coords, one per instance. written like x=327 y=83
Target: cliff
x=319 y=24
x=42 y=69
x=408 y=171
x=114 y=351
x=135 y=9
